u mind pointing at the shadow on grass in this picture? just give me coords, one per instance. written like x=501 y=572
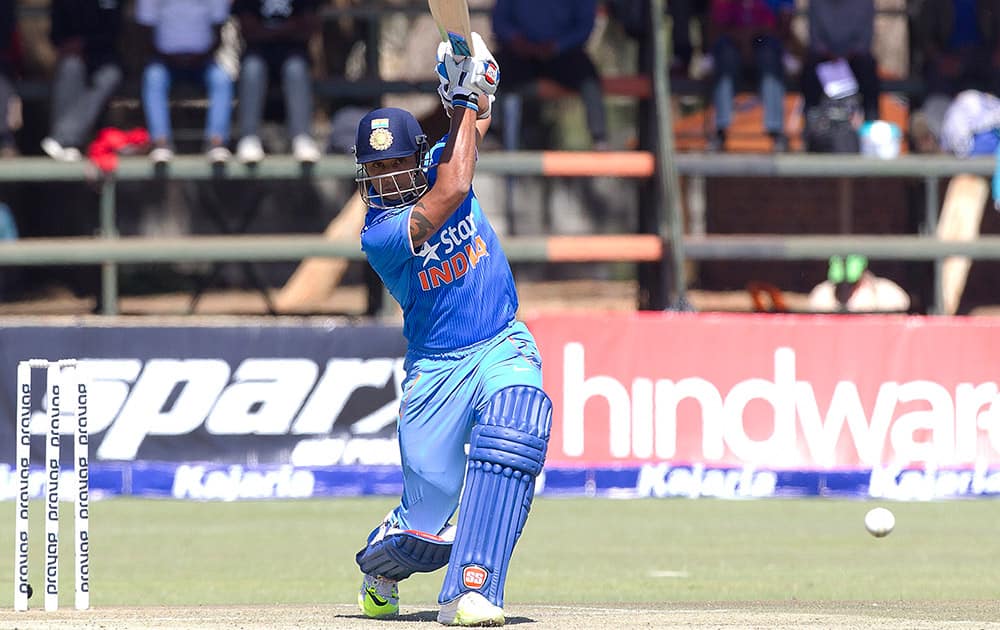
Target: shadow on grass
x=430 y=615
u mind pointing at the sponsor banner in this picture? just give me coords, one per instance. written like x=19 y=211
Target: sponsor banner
x=202 y=482
x=105 y=480
x=309 y=395
x=214 y=482
x=773 y=392
x=647 y=404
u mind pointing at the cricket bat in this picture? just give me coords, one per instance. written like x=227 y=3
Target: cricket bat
x=316 y=278
x=961 y=215
x=452 y=19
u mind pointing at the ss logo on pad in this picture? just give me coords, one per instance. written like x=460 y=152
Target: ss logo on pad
x=474 y=577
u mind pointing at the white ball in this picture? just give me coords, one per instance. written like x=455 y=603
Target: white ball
x=879 y=522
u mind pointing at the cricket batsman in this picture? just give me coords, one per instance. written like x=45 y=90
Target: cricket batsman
x=473 y=372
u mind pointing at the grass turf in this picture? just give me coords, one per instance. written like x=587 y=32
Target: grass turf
x=158 y=552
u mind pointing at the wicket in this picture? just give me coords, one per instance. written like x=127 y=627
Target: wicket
x=61 y=377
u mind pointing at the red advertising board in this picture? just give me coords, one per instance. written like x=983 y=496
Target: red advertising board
x=794 y=392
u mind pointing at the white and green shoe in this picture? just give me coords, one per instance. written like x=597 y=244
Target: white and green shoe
x=379 y=597
x=471 y=609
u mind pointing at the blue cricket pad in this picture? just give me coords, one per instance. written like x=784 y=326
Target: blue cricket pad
x=400 y=553
x=506 y=453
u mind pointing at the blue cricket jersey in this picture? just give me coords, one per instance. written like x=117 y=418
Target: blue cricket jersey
x=458 y=289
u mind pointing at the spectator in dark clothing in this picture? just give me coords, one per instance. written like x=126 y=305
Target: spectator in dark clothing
x=682 y=14
x=959 y=43
x=956 y=48
x=547 y=38
x=747 y=36
x=842 y=29
x=185 y=35
x=10 y=63
x=277 y=36
x=85 y=34
x=635 y=19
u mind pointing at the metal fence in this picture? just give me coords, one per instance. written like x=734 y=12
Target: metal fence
x=109 y=250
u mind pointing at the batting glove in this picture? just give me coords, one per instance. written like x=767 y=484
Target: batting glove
x=460 y=90
x=486 y=71
x=489 y=79
x=467 y=77
x=444 y=81
x=444 y=87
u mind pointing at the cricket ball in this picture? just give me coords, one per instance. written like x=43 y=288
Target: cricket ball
x=879 y=522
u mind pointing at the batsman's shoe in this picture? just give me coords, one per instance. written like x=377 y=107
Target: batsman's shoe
x=471 y=609
x=379 y=597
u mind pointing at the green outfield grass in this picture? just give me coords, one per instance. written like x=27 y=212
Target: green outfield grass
x=147 y=552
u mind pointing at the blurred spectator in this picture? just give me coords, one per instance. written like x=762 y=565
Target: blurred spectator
x=840 y=84
x=746 y=36
x=851 y=287
x=842 y=29
x=10 y=63
x=966 y=125
x=85 y=34
x=970 y=124
x=277 y=36
x=958 y=45
x=185 y=34
x=684 y=14
x=958 y=41
x=547 y=39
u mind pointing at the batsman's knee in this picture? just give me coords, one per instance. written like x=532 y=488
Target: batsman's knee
x=514 y=430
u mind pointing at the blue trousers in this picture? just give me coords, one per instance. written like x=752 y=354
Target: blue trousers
x=156 y=81
x=443 y=396
x=768 y=63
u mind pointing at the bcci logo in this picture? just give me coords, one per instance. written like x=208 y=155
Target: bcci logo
x=380 y=139
x=474 y=577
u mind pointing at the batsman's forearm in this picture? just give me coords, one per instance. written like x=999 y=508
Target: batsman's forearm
x=454 y=178
x=460 y=164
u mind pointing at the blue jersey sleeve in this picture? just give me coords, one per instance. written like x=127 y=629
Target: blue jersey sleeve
x=433 y=159
x=386 y=242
